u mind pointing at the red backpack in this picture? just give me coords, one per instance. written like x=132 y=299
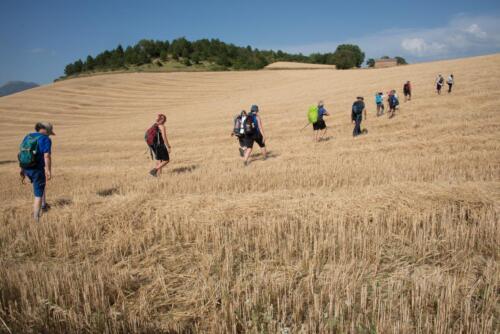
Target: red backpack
x=152 y=136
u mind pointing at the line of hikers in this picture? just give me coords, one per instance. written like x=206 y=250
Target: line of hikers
x=35 y=149
x=316 y=114
x=440 y=83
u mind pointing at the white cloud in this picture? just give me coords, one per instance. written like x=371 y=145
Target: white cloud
x=475 y=30
x=420 y=47
x=462 y=36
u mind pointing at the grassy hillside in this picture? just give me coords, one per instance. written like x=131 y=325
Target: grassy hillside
x=157 y=66
x=394 y=232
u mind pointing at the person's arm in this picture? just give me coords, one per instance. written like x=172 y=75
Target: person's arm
x=364 y=111
x=48 y=165
x=261 y=128
x=164 y=135
x=21 y=174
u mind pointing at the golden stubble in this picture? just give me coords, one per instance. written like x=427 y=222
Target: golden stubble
x=392 y=232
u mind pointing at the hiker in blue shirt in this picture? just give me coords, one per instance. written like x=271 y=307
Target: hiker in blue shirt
x=320 y=125
x=358 y=109
x=36 y=164
x=379 y=101
x=256 y=135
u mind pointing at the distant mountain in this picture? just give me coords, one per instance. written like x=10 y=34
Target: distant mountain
x=12 y=87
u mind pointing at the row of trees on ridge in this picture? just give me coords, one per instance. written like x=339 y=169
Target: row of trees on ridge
x=225 y=56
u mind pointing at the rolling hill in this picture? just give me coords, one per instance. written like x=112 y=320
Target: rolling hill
x=12 y=87
x=395 y=231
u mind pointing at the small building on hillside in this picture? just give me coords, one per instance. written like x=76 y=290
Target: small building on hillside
x=382 y=63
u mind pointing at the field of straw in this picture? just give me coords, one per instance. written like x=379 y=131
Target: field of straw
x=287 y=65
x=392 y=232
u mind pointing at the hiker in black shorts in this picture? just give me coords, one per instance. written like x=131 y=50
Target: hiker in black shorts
x=159 y=146
x=320 y=126
x=407 y=91
x=439 y=83
x=256 y=135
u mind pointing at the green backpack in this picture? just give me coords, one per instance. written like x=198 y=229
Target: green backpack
x=312 y=114
x=27 y=152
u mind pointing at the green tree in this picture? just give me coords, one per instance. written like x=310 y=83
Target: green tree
x=78 y=66
x=195 y=57
x=370 y=62
x=345 y=51
x=89 y=63
x=117 y=59
x=130 y=56
x=345 y=59
x=69 y=70
x=164 y=55
x=180 y=47
x=401 y=61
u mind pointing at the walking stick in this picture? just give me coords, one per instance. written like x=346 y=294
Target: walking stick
x=304 y=126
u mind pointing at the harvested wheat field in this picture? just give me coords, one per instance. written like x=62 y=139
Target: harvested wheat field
x=289 y=65
x=392 y=232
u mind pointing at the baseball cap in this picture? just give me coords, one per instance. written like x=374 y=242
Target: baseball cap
x=47 y=126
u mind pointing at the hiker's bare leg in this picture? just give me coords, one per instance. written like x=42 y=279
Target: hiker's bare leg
x=247 y=154
x=264 y=152
x=37 y=209
x=323 y=133
x=160 y=165
x=44 y=201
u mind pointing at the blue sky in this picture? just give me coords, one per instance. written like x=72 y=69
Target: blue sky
x=38 y=38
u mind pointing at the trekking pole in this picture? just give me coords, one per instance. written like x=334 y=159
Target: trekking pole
x=304 y=127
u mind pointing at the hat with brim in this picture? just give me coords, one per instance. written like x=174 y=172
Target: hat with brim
x=48 y=127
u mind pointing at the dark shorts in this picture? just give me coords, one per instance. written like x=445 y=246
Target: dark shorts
x=161 y=152
x=407 y=93
x=438 y=87
x=37 y=177
x=319 y=125
x=250 y=139
x=241 y=140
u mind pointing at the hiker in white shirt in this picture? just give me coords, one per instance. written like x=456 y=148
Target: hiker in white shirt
x=450 y=82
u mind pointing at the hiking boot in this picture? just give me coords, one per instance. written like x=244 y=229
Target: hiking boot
x=46 y=207
x=153 y=172
x=242 y=152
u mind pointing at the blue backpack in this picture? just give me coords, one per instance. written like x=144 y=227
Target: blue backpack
x=28 y=149
x=357 y=108
x=394 y=100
